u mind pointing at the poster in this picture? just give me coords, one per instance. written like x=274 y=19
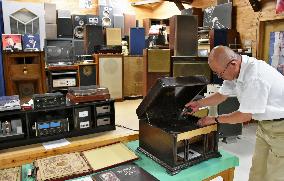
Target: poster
x=276 y=51
x=279 y=6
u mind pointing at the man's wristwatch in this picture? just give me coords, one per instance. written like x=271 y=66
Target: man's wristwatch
x=216 y=120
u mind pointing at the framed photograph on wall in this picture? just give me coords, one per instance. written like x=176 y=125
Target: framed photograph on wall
x=276 y=50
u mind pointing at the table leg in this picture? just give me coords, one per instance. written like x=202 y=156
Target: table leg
x=227 y=175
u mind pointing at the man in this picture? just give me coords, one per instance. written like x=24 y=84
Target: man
x=260 y=91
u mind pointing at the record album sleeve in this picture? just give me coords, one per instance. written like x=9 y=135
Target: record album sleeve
x=11 y=42
x=31 y=42
x=124 y=172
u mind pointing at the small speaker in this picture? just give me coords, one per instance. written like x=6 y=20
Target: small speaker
x=93 y=19
x=88 y=74
x=78 y=46
x=118 y=22
x=113 y=36
x=64 y=24
x=59 y=50
x=255 y=4
x=93 y=36
x=51 y=31
x=106 y=15
x=50 y=13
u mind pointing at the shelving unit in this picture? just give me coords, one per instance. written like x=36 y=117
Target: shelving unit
x=102 y=111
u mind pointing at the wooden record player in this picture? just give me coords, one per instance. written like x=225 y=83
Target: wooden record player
x=173 y=142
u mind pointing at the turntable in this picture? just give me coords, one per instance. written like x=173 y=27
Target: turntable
x=87 y=94
x=174 y=142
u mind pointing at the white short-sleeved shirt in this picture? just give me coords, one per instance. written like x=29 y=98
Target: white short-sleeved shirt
x=259 y=89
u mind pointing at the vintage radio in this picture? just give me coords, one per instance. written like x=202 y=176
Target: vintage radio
x=64 y=82
x=87 y=94
x=47 y=100
x=82 y=118
x=178 y=142
x=51 y=126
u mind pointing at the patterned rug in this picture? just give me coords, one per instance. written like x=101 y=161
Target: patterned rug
x=61 y=166
x=10 y=174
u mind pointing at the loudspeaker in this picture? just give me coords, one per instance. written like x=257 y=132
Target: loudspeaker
x=50 y=13
x=231 y=104
x=187 y=67
x=137 y=41
x=113 y=36
x=93 y=19
x=59 y=50
x=106 y=15
x=78 y=22
x=111 y=74
x=129 y=22
x=133 y=76
x=255 y=4
x=88 y=74
x=64 y=24
x=26 y=89
x=156 y=64
x=51 y=31
x=78 y=46
x=118 y=22
x=93 y=36
x=183 y=35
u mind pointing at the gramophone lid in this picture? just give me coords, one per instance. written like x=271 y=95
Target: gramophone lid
x=169 y=95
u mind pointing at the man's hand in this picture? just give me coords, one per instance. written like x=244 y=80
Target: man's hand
x=208 y=120
x=194 y=105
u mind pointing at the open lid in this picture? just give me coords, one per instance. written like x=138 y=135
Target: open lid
x=166 y=99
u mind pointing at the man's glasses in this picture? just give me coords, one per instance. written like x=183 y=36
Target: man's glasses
x=220 y=75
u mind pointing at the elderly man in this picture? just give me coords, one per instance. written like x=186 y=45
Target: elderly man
x=260 y=91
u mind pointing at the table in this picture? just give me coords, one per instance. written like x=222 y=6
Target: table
x=207 y=170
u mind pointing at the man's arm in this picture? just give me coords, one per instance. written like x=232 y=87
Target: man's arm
x=211 y=100
x=231 y=118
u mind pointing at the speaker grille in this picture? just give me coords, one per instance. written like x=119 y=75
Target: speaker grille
x=110 y=75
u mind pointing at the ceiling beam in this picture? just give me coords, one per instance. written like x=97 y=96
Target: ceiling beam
x=145 y=2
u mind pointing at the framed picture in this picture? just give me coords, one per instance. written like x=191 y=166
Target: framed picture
x=12 y=42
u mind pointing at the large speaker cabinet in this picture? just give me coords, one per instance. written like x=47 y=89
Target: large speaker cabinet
x=190 y=66
x=183 y=35
x=93 y=36
x=24 y=74
x=156 y=64
x=110 y=73
x=133 y=76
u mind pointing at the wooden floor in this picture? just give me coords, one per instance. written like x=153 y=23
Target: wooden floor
x=26 y=154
